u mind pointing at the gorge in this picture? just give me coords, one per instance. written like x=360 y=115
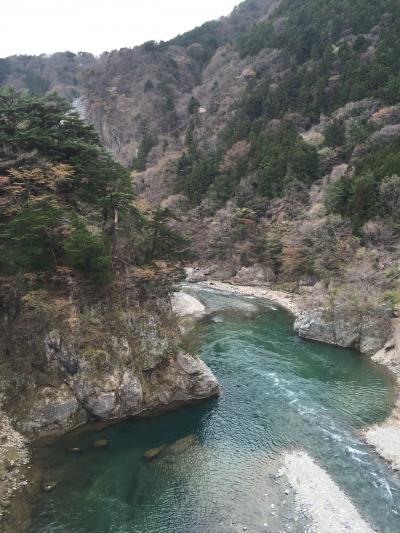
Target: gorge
x=257 y=155
x=225 y=471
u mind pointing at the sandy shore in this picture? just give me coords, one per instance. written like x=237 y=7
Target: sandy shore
x=319 y=498
x=290 y=302
x=385 y=438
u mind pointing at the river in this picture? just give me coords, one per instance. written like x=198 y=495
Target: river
x=279 y=393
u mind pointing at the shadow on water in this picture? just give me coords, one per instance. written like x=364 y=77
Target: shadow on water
x=279 y=392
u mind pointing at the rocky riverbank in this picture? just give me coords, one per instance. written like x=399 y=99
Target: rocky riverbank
x=290 y=302
x=105 y=363
x=14 y=456
x=385 y=438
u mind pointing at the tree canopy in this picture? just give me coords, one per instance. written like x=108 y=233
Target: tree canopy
x=64 y=201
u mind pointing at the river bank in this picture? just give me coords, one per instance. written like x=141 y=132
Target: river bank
x=385 y=438
x=319 y=498
x=290 y=302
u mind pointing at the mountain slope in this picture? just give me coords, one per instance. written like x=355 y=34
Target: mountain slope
x=273 y=133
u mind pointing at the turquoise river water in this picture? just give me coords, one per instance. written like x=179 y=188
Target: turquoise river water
x=279 y=393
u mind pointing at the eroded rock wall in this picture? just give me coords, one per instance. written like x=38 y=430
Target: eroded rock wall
x=98 y=362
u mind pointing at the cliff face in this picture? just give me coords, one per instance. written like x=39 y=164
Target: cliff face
x=68 y=358
x=143 y=93
x=75 y=361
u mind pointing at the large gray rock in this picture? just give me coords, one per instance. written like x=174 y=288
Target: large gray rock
x=109 y=395
x=186 y=379
x=53 y=409
x=185 y=305
x=368 y=335
x=196 y=275
x=254 y=275
x=203 y=383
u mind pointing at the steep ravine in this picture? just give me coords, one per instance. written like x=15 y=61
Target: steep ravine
x=232 y=465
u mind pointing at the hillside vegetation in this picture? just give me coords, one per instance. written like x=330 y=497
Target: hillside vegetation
x=65 y=203
x=85 y=270
x=274 y=136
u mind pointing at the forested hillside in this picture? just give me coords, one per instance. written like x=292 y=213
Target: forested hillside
x=270 y=138
x=272 y=134
x=65 y=202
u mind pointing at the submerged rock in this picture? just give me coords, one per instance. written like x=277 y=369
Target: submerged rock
x=154 y=453
x=49 y=486
x=100 y=444
x=182 y=445
x=176 y=448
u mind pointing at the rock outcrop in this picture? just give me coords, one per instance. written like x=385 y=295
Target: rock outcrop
x=366 y=334
x=102 y=361
x=254 y=275
x=116 y=393
x=185 y=305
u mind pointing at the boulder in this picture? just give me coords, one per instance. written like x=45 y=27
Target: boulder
x=185 y=305
x=254 y=275
x=186 y=379
x=53 y=408
x=109 y=395
x=204 y=383
x=196 y=275
x=312 y=325
x=343 y=330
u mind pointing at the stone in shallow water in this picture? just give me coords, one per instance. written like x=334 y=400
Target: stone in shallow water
x=50 y=486
x=176 y=448
x=74 y=450
x=100 y=444
x=182 y=445
x=153 y=453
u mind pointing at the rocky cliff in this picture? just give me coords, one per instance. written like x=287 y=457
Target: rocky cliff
x=67 y=361
x=75 y=360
